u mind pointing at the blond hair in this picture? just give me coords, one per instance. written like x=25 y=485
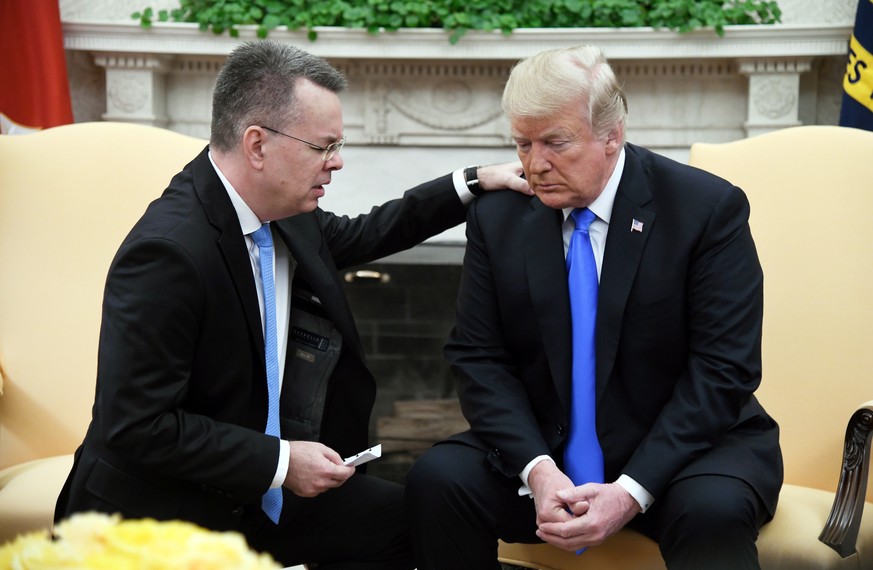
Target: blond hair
x=545 y=83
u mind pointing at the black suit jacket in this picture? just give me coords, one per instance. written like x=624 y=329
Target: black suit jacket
x=180 y=407
x=678 y=332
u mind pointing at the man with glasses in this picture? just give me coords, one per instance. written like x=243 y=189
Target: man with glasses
x=231 y=380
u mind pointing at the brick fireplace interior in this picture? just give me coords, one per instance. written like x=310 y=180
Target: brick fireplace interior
x=404 y=312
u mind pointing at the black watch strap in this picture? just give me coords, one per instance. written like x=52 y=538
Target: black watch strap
x=471 y=178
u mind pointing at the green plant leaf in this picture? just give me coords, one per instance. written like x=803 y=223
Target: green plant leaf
x=458 y=16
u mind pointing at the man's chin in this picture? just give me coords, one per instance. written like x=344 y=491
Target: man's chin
x=552 y=200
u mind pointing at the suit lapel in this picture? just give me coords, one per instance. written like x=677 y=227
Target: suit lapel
x=547 y=280
x=624 y=248
x=221 y=214
x=305 y=244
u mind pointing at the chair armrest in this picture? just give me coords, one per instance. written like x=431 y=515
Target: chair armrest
x=841 y=529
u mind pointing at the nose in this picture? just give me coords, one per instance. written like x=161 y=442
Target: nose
x=335 y=162
x=537 y=162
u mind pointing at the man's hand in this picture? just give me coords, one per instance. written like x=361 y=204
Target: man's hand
x=502 y=177
x=599 y=512
x=314 y=468
x=545 y=480
x=572 y=517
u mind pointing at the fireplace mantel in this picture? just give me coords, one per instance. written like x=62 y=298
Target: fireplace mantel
x=139 y=64
x=771 y=41
x=415 y=98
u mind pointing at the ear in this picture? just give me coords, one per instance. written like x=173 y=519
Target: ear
x=253 y=143
x=614 y=139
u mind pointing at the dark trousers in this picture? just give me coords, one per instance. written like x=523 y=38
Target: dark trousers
x=358 y=526
x=458 y=507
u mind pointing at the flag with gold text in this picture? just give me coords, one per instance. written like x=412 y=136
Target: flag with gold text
x=857 y=108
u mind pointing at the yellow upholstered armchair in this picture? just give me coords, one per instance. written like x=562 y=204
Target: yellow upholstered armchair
x=68 y=196
x=811 y=191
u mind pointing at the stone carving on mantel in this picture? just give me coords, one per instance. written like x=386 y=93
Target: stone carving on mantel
x=411 y=88
x=673 y=104
x=774 y=98
x=438 y=103
x=135 y=87
x=774 y=87
x=128 y=92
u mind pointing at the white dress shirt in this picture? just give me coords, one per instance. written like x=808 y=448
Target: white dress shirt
x=282 y=267
x=602 y=208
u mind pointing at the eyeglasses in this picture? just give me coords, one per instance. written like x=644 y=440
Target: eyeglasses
x=329 y=151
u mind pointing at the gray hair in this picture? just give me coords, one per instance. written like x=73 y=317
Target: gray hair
x=543 y=84
x=256 y=87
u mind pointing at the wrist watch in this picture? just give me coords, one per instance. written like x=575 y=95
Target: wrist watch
x=471 y=178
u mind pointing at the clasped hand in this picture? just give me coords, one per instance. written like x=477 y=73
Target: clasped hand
x=574 y=518
x=315 y=468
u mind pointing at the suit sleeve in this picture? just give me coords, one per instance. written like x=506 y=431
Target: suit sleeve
x=422 y=212
x=494 y=398
x=712 y=400
x=153 y=309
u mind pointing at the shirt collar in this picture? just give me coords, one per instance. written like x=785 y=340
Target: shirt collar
x=248 y=221
x=602 y=205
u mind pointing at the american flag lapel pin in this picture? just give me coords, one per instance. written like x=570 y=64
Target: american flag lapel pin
x=636 y=226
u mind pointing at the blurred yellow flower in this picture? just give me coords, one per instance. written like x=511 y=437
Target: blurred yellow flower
x=93 y=541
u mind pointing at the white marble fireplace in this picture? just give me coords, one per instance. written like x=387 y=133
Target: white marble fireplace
x=418 y=106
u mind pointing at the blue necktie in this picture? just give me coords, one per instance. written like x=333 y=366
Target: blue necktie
x=583 y=458
x=271 y=502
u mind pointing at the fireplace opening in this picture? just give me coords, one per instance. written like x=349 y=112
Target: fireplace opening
x=404 y=310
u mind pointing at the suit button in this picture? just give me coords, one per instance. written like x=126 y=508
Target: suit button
x=238 y=511
x=562 y=429
x=495 y=452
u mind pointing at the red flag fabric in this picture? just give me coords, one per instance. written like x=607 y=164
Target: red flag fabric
x=33 y=71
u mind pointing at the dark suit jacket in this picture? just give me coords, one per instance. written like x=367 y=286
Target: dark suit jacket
x=180 y=407
x=678 y=332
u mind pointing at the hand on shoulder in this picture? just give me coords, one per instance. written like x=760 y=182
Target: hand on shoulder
x=507 y=176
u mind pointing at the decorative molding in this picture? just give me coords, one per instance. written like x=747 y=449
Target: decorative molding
x=774 y=92
x=135 y=87
x=680 y=69
x=432 y=44
x=128 y=92
x=189 y=65
x=771 y=66
x=417 y=99
x=447 y=103
x=121 y=60
x=774 y=98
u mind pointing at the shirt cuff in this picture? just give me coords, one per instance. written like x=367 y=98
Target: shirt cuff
x=637 y=491
x=282 y=467
x=525 y=473
x=461 y=187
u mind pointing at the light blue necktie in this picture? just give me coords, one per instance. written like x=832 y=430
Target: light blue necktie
x=272 y=499
x=583 y=458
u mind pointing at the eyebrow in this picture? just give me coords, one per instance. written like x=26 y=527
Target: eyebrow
x=560 y=133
